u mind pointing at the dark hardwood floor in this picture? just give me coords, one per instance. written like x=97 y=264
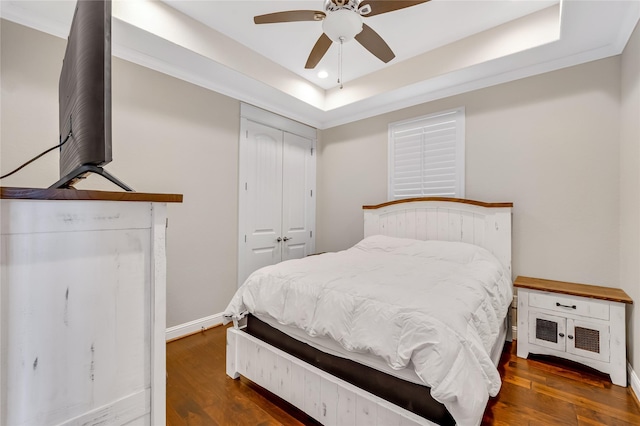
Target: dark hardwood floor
x=538 y=391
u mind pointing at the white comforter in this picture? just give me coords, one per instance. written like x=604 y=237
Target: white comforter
x=437 y=304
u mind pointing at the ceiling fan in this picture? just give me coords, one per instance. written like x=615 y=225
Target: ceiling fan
x=341 y=22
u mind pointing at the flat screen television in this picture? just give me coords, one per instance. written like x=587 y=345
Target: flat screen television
x=85 y=96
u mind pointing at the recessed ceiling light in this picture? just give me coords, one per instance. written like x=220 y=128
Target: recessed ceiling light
x=323 y=74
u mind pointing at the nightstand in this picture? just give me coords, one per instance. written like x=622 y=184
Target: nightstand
x=580 y=322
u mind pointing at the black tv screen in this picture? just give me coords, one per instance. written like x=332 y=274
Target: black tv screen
x=85 y=95
x=85 y=88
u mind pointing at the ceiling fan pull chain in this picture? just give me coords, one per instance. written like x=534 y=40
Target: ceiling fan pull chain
x=340 y=63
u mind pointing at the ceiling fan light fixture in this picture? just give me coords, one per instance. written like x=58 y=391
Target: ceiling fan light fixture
x=342 y=25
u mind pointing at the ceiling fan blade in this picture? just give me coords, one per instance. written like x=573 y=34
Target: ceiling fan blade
x=384 y=6
x=372 y=41
x=289 y=16
x=318 y=51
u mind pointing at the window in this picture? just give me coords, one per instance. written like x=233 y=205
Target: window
x=426 y=156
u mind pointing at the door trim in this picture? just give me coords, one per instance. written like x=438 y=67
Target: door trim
x=276 y=121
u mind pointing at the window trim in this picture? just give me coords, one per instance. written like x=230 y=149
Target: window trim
x=459 y=144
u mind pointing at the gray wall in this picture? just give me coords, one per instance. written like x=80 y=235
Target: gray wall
x=630 y=189
x=547 y=143
x=168 y=136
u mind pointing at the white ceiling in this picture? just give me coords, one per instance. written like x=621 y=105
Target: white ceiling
x=443 y=47
x=409 y=32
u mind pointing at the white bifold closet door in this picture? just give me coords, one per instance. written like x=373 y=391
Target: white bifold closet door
x=277 y=200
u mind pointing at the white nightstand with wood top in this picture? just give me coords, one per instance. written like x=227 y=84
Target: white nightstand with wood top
x=579 y=322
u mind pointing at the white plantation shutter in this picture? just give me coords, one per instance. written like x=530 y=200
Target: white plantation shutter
x=426 y=156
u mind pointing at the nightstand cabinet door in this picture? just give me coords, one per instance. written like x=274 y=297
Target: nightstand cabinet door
x=547 y=330
x=588 y=339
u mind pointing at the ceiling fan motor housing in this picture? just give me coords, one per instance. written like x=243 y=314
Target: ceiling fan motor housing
x=342 y=25
x=333 y=5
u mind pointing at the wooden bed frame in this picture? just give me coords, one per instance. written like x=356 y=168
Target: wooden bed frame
x=333 y=401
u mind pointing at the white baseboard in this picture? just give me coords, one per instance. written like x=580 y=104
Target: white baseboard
x=194 y=326
x=634 y=381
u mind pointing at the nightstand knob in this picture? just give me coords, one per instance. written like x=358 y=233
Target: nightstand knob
x=561 y=334
x=570 y=336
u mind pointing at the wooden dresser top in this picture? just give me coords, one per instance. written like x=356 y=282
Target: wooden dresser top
x=8 y=193
x=575 y=289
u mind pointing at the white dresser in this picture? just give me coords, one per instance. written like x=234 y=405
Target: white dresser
x=82 y=307
x=583 y=323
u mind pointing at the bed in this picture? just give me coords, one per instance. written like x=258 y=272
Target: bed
x=424 y=300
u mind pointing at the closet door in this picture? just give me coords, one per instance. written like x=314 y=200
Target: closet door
x=276 y=200
x=298 y=182
x=263 y=195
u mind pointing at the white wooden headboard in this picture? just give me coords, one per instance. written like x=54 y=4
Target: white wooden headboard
x=446 y=219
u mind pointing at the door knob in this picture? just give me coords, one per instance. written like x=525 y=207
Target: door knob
x=278 y=239
x=287 y=239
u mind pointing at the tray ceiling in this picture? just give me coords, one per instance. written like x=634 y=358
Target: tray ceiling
x=442 y=47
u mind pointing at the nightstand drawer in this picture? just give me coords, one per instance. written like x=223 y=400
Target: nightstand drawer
x=575 y=305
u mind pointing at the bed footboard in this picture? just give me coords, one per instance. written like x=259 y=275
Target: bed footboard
x=322 y=396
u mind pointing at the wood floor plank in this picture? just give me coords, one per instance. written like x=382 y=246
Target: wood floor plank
x=515 y=380
x=513 y=369
x=612 y=396
x=590 y=417
x=545 y=410
x=538 y=391
x=582 y=421
x=580 y=401
x=513 y=414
